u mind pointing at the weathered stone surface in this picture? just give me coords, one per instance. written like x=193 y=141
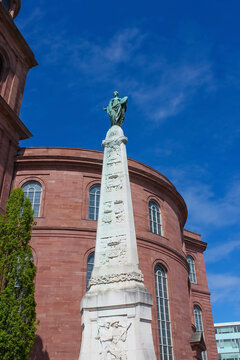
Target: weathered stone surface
x=116 y=257
x=116 y=312
x=122 y=329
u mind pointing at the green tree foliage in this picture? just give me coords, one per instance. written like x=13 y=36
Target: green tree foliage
x=17 y=273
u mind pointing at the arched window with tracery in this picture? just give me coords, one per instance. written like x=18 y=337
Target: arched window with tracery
x=93 y=203
x=199 y=325
x=163 y=313
x=90 y=264
x=192 y=270
x=155 y=218
x=33 y=191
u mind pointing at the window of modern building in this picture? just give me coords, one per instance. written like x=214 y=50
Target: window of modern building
x=90 y=263
x=155 y=218
x=199 y=325
x=93 y=205
x=227 y=329
x=228 y=340
x=164 y=324
x=192 y=270
x=33 y=190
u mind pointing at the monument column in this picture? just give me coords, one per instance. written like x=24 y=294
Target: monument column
x=116 y=311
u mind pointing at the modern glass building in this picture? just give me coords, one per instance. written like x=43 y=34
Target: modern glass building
x=228 y=340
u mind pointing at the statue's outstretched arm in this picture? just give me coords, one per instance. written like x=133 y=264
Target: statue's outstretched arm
x=124 y=100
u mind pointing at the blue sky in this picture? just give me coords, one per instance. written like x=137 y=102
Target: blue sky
x=179 y=64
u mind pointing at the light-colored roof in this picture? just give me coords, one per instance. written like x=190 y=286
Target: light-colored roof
x=227 y=324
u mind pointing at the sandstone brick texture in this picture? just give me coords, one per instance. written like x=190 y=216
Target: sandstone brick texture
x=64 y=237
x=16 y=59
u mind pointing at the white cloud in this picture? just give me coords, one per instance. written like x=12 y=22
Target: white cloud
x=30 y=22
x=224 y=288
x=101 y=61
x=128 y=59
x=221 y=251
x=206 y=208
x=177 y=84
x=121 y=47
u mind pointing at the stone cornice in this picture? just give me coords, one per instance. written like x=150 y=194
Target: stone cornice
x=40 y=230
x=194 y=244
x=14 y=120
x=9 y=24
x=200 y=292
x=82 y=158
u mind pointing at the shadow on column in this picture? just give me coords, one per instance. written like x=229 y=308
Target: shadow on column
x=38 y=353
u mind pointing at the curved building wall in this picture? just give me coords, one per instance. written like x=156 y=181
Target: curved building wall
x=64 y=237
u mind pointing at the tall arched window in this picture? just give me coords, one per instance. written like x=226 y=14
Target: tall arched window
x=192 y=271
x=93 y=205
x=33 y=190
x=199 y=325
x=155 y=218
x=164 y=325
x=90 y=263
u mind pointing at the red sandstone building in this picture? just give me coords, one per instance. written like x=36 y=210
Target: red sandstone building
x=63 y=185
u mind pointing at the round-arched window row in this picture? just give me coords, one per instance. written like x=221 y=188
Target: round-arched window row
x=163 y=313
x=33 y=191
x=155 y=217
x=192 y=270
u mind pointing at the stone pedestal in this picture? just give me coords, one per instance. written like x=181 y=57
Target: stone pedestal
x=116 y=311
x=117 y=325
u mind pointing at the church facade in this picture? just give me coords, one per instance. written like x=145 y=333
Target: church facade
x=63 y=185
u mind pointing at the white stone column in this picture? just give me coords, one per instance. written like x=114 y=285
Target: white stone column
x=116 y=257
x=116 y=311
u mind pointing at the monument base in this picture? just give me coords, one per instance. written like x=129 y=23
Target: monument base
x=116 y=324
